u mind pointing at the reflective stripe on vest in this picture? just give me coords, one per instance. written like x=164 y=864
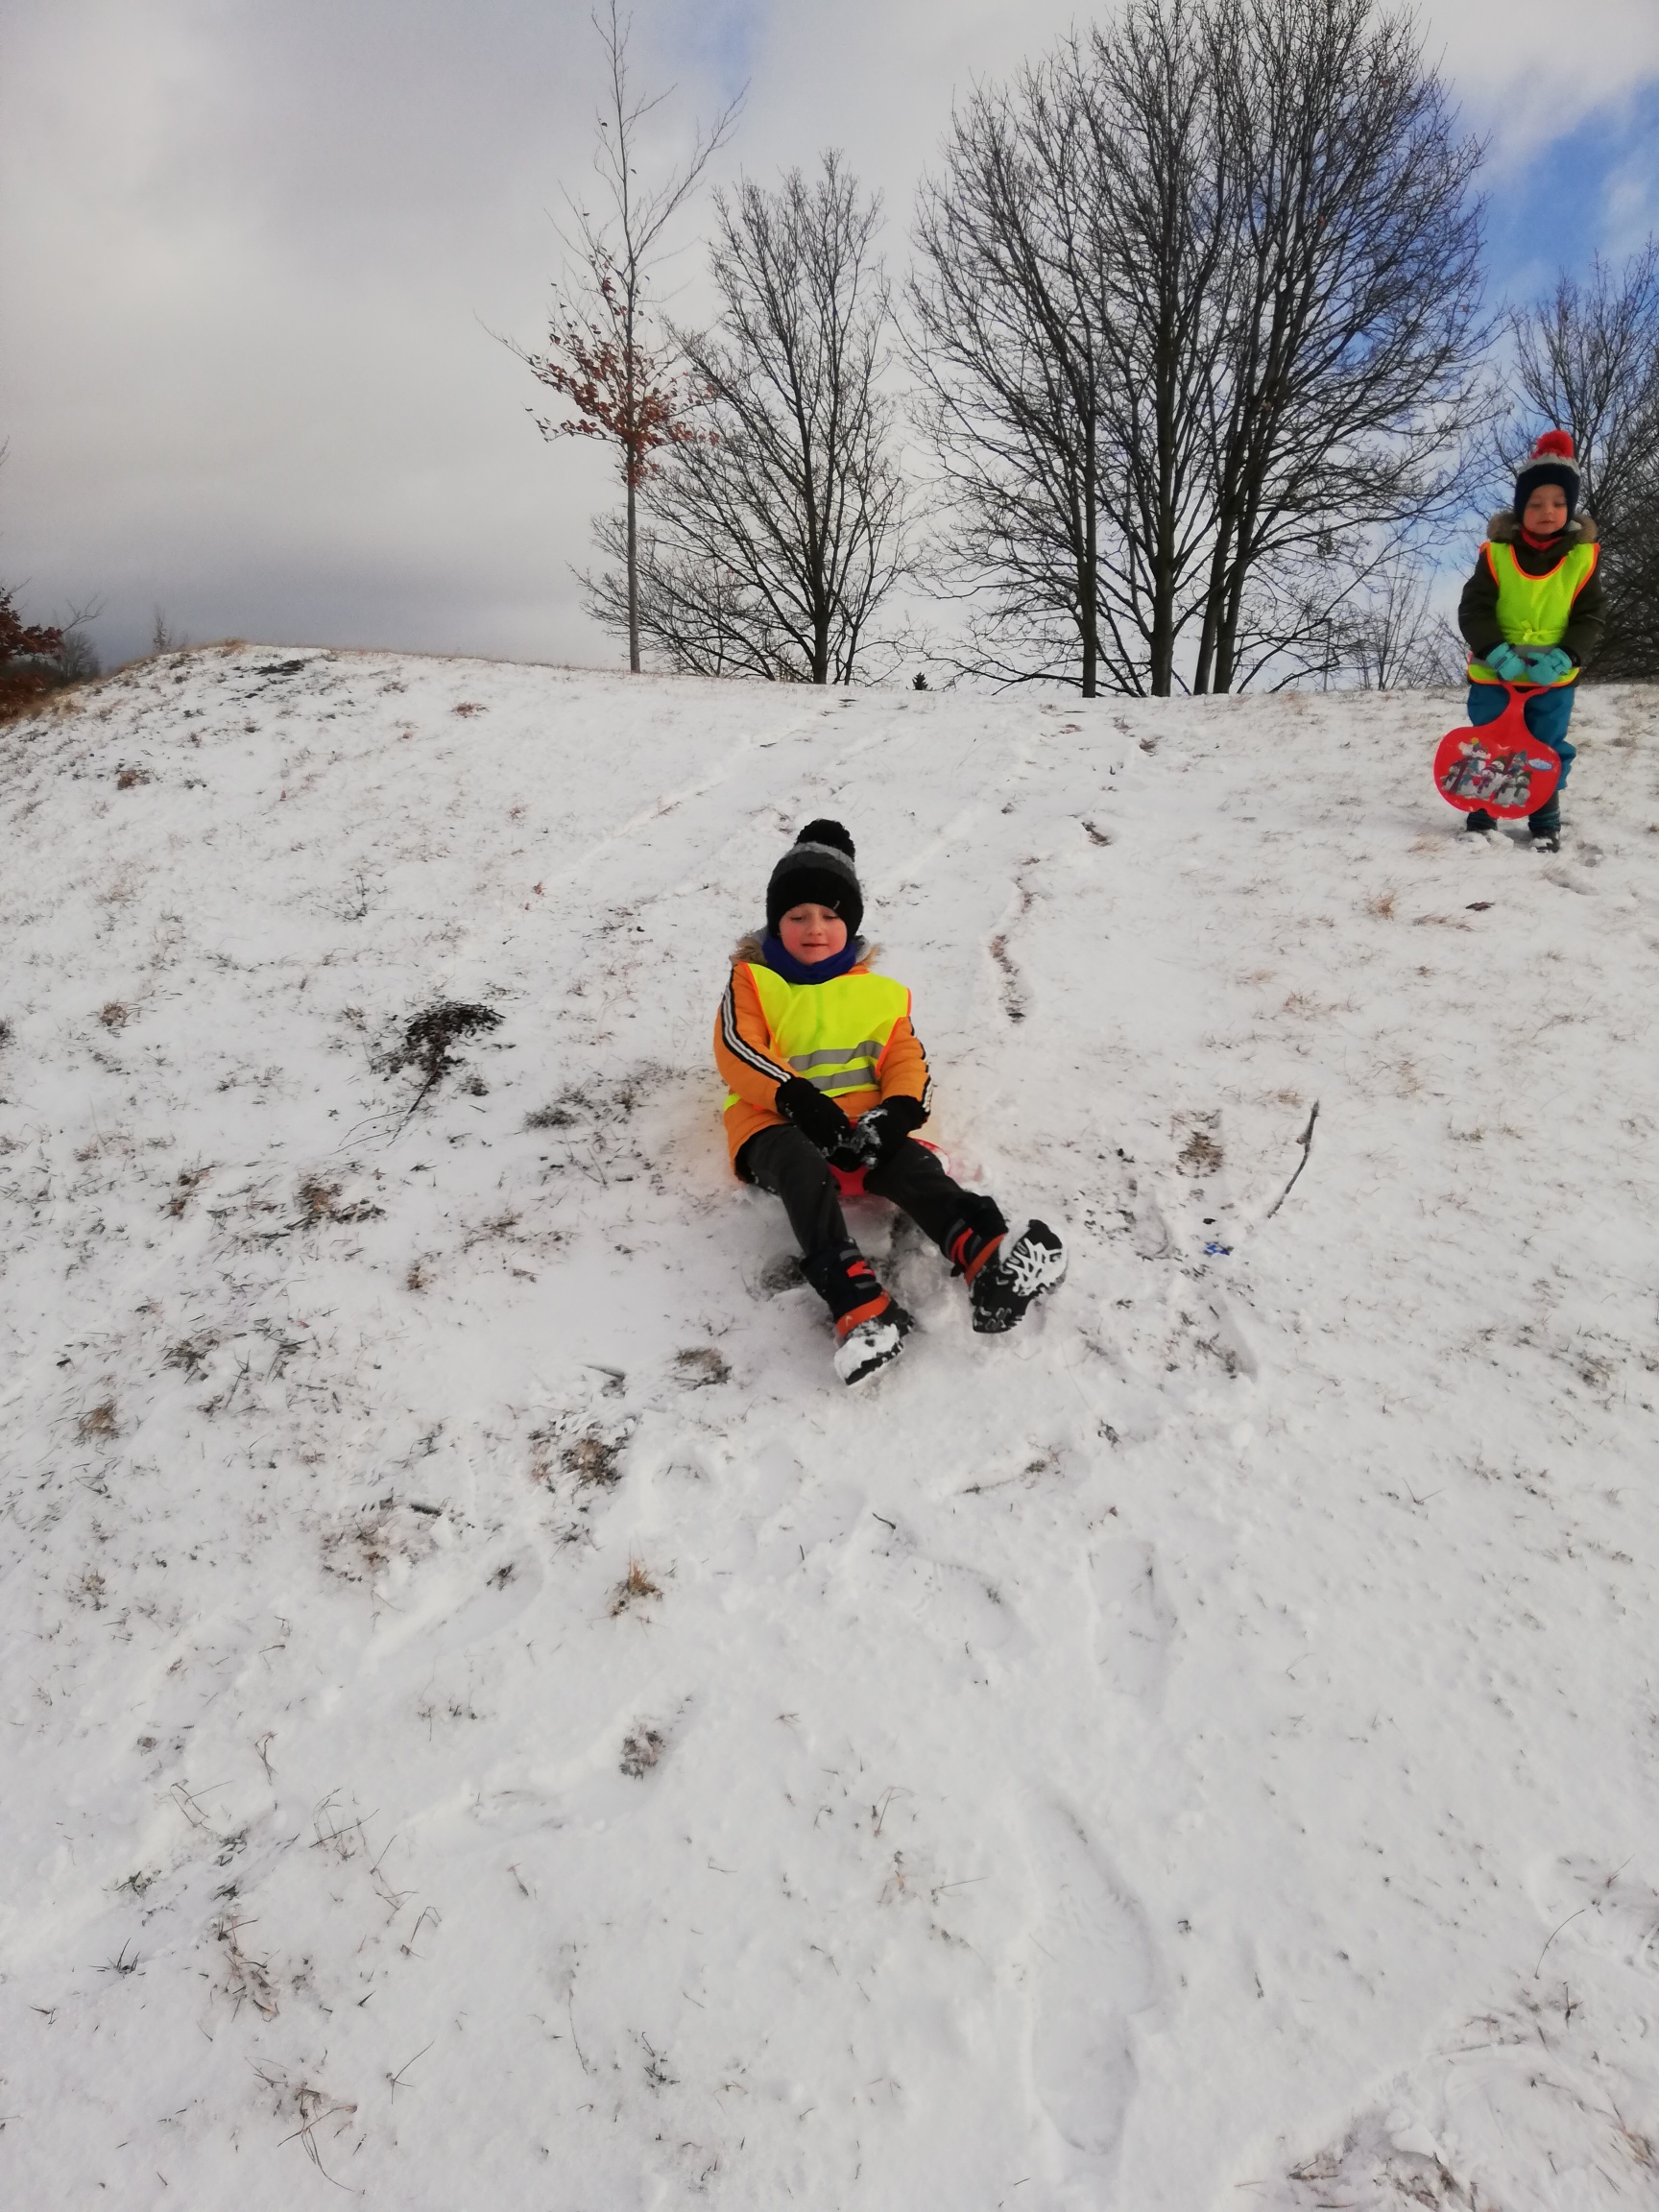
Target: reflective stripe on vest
x=835 y=1034
x=1534 y=611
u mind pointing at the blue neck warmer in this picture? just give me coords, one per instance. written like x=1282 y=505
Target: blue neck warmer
x=795 y=970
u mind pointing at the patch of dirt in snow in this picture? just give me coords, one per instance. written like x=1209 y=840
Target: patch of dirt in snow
x=490 y=1719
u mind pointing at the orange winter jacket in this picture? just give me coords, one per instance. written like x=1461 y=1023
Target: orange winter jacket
x=850 y=1036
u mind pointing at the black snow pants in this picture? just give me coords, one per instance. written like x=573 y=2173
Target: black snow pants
x=785 y=1163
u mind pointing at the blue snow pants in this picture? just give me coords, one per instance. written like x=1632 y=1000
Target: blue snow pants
x=1546 y=714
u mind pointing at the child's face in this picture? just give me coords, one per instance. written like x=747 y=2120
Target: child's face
x=1546 y=512
x=812 y=933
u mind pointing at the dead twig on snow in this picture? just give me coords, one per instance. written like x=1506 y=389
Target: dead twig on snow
x=397 y=2079
x=1307 y=1148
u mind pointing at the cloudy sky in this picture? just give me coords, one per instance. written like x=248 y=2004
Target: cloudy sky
x=253 y=253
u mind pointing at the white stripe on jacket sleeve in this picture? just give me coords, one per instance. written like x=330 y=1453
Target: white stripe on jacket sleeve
x=738 y=1046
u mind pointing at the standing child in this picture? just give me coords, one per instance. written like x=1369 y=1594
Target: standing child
x=827 y=1081
x=1532 y=613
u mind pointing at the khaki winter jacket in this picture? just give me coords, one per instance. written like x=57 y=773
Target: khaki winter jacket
x=1478 y=608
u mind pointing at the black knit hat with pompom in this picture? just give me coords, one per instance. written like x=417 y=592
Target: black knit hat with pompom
x=817 y=870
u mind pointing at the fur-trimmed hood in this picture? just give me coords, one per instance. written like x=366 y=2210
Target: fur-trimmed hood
x=1504 y=530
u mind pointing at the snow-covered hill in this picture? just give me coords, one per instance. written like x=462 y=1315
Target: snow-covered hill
x=490 y=1722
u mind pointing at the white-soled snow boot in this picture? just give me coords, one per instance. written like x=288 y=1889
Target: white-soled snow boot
x=1003 y=1281
x=870 y=1326
x=868 y=1345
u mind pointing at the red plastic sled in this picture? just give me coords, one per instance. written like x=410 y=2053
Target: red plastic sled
x=1499 y=768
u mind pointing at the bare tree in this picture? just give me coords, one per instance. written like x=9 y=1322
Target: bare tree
x=1006 y=354
x=1162 y=250
x=691 y=611
x=77 y=659
x=1586 y=360
x=1352 y=369
x=600 y=353
x=1198 y=335
x=1391 y=636
x=775 y=538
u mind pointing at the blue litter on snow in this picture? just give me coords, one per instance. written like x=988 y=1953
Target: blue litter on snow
x=1217 y=1251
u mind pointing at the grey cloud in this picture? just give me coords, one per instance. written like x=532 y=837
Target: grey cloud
x=249 y=247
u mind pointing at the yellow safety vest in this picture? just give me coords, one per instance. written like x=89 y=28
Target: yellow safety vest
x=835 y=1033
x=1534 y=611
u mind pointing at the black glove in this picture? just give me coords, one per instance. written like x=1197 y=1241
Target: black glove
x=819 y=1120
x=881 y=1131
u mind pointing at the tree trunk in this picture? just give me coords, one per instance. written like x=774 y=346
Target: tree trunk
x=1208 y=634
x=1091 y=608
x=1162 y=655
x=633 y=584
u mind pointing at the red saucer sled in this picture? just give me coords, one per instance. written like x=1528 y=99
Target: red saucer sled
x=1501 y=768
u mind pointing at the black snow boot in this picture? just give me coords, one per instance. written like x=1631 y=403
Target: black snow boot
x=1005 y=1274
x=1480 y=819
x=1546 y=829
x=870 y=1326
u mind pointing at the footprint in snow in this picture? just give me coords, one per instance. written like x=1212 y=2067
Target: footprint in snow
x=1133 y=1620
x=1170 y=1224
x=1094 y=1970
x=1182 y=1209
x=1584 y=1903
x=1188 y=1217
x=1226 y=1338
x=602 y=1775
x=781 y=1271
x=1568 y=878
x=456 y=1606
x=1201 y=1196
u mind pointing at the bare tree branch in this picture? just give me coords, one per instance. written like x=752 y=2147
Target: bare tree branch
x=1198 y=331
x=774 y=540
x=600 y=355
x=1587 y=360
x=1352 y=369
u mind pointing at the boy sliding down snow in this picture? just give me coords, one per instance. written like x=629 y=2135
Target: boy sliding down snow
x=827 y=1080
x=1532 y=613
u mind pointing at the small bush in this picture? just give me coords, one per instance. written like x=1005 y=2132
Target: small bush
x=28 y=658
x=427 y=1039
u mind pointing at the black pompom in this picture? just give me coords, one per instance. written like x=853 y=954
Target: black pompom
x=827 y=833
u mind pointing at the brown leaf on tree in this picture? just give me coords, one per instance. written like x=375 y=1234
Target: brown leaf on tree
x=618 y=385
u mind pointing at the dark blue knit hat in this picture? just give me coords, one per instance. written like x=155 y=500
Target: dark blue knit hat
x=1551 y=462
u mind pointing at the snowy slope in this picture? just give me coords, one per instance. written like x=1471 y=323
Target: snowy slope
x=1200 y=1751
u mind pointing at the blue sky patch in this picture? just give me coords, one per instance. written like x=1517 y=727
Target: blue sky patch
x=1594 y=188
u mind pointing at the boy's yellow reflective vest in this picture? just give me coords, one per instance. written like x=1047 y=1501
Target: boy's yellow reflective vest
x=851 y=1037
x=1534 y=611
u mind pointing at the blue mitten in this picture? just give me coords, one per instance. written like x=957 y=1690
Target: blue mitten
x=1549 y=667
x=1503 y=660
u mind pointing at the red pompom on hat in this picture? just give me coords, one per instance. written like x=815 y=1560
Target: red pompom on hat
x=1551 y=462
